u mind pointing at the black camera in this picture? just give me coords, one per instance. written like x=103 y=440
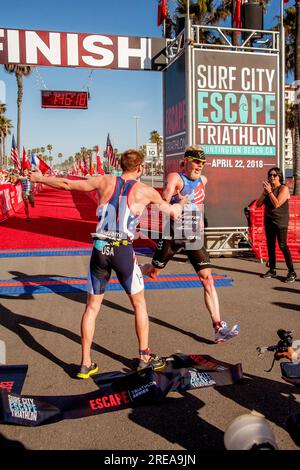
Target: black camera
x=286 y=340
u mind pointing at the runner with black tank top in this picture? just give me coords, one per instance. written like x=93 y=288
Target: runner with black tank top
x=275 y=198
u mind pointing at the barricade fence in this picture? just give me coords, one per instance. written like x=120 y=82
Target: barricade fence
x=258 y=237
x=11 y=200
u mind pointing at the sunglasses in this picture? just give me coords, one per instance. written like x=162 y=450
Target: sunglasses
x=198 y=161
x=273 y=175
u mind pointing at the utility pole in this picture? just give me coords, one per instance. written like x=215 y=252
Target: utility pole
x=137 y=131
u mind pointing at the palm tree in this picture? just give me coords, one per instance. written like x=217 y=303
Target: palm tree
x=20 y=71
x=156 y=138
x=292 y=24
x=5 y=127
x=49 y=148
x=297 y=105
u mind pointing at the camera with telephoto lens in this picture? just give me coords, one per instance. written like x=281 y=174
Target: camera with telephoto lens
x=285 y=342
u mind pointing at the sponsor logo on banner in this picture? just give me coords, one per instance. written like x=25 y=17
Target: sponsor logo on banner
x=200 y=379
x=21 y=407
x=113 y=400
x=201 y=360
x=7 y=386
x=144 y=389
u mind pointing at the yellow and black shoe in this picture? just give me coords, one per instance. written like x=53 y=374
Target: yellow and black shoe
x=155 y=361
x=86 y=372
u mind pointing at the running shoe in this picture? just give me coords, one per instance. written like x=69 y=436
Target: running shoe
x=224 y=333
x=86 y=372
x=147 y=270
x=269 y=274
x=291 y=277
x=155 y=361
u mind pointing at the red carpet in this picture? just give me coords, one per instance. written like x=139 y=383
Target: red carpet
x=60 y=219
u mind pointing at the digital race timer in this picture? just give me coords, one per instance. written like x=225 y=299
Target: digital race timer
x=64 y=99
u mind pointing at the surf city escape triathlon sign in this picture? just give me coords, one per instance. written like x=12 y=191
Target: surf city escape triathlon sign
x=62 y=49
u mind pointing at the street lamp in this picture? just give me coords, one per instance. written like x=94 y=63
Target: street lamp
x=137 y=130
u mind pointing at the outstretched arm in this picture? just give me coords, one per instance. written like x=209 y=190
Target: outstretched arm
x=172 y=186
x=64 y=183
x=173 y=210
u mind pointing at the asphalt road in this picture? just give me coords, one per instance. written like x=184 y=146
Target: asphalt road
x=43 y=331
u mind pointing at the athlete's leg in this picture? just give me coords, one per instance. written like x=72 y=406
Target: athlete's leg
x=88 y=322
x=164 y=252
x=31 y=199
x=201 y=263
x=141 y=322
x=210 y=294
x=26 y=207
x=98 y=276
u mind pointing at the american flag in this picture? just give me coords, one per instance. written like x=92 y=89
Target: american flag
x=14 y=154
x=110 y=154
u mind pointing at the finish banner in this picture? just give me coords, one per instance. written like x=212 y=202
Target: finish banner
x=118 y=391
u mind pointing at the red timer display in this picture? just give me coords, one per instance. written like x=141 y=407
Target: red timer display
x=65 y=99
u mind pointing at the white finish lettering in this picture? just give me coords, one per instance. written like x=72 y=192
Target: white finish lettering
x=35 y=43
x=13 y=46
x=1 y=36
x=144 y=52
x=90 y=46
x=72 y=49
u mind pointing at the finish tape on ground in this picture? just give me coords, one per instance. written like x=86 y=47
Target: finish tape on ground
x=116 y=391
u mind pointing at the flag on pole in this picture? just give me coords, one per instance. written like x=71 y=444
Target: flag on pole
x=25 y=162
x=85 y=164
x=14 y=154
x=110 y=154
x=237 y=16
x=100 y=170
x=91 y=170
x=162 y=11
x=39 y=163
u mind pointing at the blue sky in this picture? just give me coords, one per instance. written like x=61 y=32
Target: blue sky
x=116 y=96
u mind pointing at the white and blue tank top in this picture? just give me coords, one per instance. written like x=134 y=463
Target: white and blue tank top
x=116 y=221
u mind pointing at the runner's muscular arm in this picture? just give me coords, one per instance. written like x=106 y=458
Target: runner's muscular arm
x=63 y=183
x=174 y=210
x=173 y=184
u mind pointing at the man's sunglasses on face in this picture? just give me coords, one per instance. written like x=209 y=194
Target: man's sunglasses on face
x=198 y=161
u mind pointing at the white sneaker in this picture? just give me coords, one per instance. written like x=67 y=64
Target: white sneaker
x=225 y=333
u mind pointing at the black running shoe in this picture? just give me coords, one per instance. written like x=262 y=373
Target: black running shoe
x=269 y=274
x=155 y=361
x=291 y=277
x=86 y=372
